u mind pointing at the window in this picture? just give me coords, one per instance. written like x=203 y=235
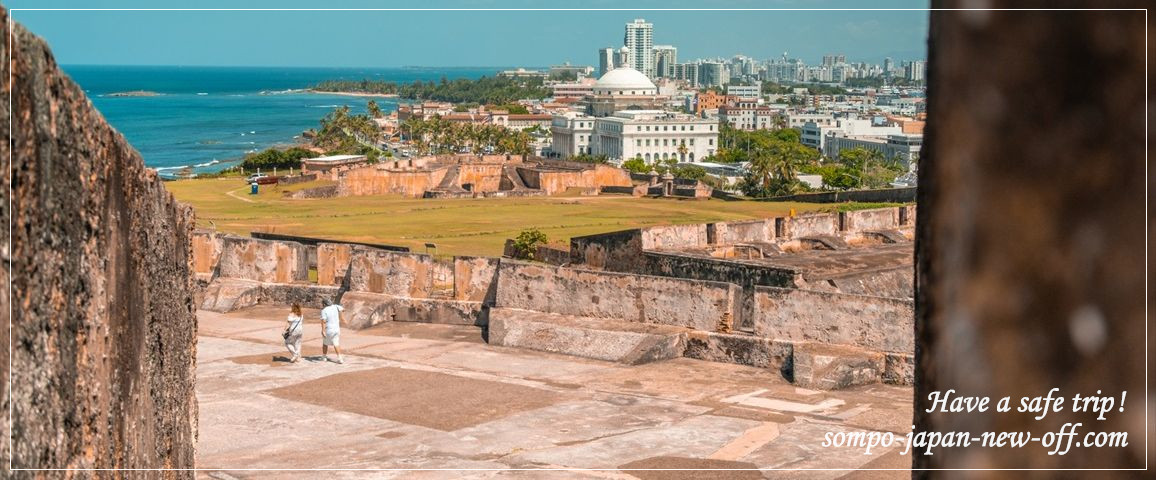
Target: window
x=638 y=142
x=692 y=142
x=665 y=143
x=648 y=142
x=711 y=141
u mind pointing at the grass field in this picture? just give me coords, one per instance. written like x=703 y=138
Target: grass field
x=457 y=226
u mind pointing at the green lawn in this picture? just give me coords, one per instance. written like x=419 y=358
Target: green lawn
x=457 y=226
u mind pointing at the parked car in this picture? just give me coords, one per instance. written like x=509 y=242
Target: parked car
x=254 y=177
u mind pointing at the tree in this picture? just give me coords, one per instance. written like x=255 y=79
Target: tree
x=527 y=242
x=374 y=109
x=636 y=165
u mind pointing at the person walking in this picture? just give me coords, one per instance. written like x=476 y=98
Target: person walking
x=331 y=319
x=293 y=332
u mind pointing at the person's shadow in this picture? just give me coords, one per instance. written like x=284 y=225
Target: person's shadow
x=285 y=359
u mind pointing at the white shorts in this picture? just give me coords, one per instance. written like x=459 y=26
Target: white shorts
x=331 y=339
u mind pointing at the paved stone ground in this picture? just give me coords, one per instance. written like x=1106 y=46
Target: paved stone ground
x=437 y=397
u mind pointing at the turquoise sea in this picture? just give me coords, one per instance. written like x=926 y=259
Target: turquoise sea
x=208 y=117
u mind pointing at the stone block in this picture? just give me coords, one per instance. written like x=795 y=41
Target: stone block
x=600 y=339
x=228 y=294
x=832 y=367
x=899 y=369
x=363 y=310
x=749 y=350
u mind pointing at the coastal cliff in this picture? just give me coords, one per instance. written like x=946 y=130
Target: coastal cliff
x=103 y=321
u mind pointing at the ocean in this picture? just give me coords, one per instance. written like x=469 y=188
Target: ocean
x=207 y=118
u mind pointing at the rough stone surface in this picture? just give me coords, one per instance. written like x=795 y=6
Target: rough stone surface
x=333 y=263
x=600 y=339
x=875 y=323
x=1031 y=232
x=832 y=367
x=206 y=251
x=899 y=369
x=391 y=273
x=741 y=349
x=104 y=334
x=475 y=279
x=623 y=297
x=263 y=260
x=363 y=310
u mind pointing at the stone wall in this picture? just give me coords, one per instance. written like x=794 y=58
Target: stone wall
x=104 y=329
x=1031 y=238
x=558 y=181
x=615 y=251
x=206 y=251
x=263 y=260
x=624 y=297
x=378 y=181
x=672 y=237
x=810 y=225
x=333 y=263
x=873 y=323
x=475 y=279
x=391 y=273
x=870 y=220
x=744 y=232
x=481 y=177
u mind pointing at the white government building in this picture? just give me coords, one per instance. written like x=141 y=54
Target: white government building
x=634 y=128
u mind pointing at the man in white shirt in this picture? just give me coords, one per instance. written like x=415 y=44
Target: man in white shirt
x=331 y=317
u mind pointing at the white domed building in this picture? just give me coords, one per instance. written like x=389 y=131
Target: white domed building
x=623 y=88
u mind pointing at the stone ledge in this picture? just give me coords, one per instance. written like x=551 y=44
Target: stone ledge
x=832 y=367
x=228 y=294
x=601 y=339
x=740 y=349
x=363 y=310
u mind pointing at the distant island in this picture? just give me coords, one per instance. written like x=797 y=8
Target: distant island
x=485 y=90
x=133 y=93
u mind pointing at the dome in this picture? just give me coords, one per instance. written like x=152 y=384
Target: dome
x=625 y=81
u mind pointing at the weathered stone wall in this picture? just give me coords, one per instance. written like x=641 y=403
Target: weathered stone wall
x=206 y=251
x=872 y=323
x=617 y=296
x=615 y=251
x=745 y=232
x=869 y=220
x=391 y=273
x=475 y=278
x=670 y=237
x=1030 y=245
x=263 y=260
x=897 y=282
x=481 y=177
x=377 y=181
x=104 y=326
x=810 y=225
x=333 y=263
x=554 y=182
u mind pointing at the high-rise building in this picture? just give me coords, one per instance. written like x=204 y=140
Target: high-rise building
x=639 y=40
x=605 y=60
x=914 y=71
x=887 y=66
x=665 y=57
x=687 y=72
x=713 y=74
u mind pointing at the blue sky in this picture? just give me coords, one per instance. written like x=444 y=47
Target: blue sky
x=462 y=38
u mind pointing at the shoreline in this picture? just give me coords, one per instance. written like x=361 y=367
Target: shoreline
x=353 y=94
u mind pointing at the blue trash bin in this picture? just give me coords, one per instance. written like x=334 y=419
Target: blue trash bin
x=253 y=188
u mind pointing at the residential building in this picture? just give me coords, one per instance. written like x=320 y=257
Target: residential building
x=905 y=147
x=796 y=120
x=578 y=89
x=687 y=72
x=639 y=40
x=709 y=100
x=523 y=73
x=605 y=60
x=914 y=71
x=748 y=116
x=665 y=57
x=815 y=135
x=713 y=74
x=578 y=71
x=745 y=92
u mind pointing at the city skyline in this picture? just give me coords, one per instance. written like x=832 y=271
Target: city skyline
x=464 y=38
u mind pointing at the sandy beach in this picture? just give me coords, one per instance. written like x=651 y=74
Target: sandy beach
x=355 y=94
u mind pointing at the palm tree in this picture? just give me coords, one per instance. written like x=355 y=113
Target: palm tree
x=374 y=110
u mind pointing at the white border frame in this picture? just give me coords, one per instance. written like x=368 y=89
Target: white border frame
x=12 y=213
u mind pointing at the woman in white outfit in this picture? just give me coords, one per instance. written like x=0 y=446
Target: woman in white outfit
x=293 y=332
